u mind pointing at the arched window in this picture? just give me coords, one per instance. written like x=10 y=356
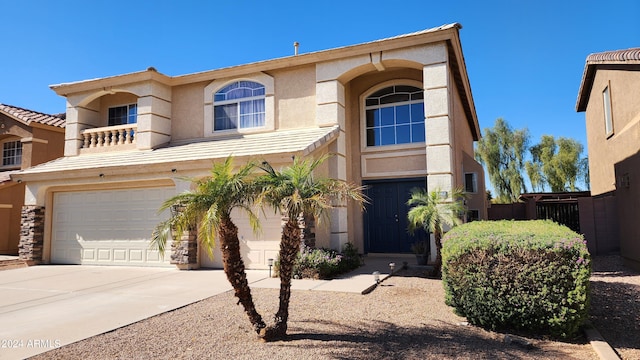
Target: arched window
x=239 y=105
x=395 y=115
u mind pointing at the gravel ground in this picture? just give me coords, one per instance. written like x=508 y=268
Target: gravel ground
x=615 y=305
x=404 y=318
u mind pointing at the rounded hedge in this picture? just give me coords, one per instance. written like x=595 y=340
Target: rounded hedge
x=531 y=276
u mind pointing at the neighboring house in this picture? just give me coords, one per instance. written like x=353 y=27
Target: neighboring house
x=27 y=138
x=609 y=95
x=398 y=113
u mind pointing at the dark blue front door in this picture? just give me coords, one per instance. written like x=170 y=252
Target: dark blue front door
x=385 y=219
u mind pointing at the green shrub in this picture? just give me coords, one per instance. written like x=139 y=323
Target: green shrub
x=531 y=276
x=320 y=263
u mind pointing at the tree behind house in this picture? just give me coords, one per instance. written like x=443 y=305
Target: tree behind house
x=502 y=151
x=556 y=164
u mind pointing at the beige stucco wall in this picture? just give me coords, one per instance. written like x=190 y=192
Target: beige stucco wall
x=382 y=161
x=628 y=200
x=464 y=161
x=187 y=115
x=477 y=201
x=605 y=151
x=46 y=145
x=89 y=109
x=375 y=165
x=295 y=97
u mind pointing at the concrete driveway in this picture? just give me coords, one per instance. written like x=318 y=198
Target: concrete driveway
x=48 y=306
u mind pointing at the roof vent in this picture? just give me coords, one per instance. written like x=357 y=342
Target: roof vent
x=151 y=68
x=295 y=48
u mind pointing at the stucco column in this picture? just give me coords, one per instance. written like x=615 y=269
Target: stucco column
x=78 y=118
x=154 y=117
x=330 y=111
x=438 y=127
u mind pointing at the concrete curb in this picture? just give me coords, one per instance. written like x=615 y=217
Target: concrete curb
x=599 y=344
x=375 y=285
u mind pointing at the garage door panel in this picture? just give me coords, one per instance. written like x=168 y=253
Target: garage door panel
x=109 y=227
x=254 y=248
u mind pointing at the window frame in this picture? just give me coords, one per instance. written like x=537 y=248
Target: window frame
x=607 y=109
x=16 y=164
x=474 y=182
x=128 y=106
x=363 y=117
x=469 y=218
x=238 y=102
x=269 y=105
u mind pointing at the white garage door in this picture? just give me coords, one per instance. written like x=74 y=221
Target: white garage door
x=255 y=249
x=107 y=227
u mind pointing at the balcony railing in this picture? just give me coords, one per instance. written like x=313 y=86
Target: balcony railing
x=111 y=136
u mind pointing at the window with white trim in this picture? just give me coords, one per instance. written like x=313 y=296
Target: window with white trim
x=239 y=105
x=395 y=115
x=122 y=115
x=12 y=153
x=471 y=183
x=608 y=119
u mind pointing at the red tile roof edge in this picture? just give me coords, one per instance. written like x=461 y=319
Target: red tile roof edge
x=28 y=116
x=616 y=55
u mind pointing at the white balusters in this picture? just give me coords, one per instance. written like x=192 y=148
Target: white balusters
x=110 y=137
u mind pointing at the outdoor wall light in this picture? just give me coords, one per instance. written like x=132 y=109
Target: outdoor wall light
x=19 y=181
x=270 y=262
x=392 y=266
x=174 y=170
x=101 y=175
x=376 y=276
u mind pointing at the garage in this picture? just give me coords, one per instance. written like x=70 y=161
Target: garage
x=107 y=227
x=256 y=249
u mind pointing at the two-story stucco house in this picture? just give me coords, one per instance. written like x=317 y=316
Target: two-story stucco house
x=397 y=113
x=27 y=138
x=609 y=97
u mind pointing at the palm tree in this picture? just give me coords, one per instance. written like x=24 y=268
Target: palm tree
x=431 y=211
x=296 y=193
x=208 y=207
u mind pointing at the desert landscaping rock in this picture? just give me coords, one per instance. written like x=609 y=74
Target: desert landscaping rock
x=403 y=318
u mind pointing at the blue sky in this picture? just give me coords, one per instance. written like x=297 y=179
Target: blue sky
x=524 y=58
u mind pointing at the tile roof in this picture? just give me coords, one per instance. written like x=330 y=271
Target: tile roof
x=284 y=142
x=5 y=176
x=29 y=116
x=627 y=59
x=262 y=65
x=420 y=32
x=615 y=56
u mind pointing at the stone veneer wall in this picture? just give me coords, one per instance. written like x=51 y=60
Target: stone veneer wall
x=306 y=224
x=184 y=252
x=30 y=248
x=308 y=234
